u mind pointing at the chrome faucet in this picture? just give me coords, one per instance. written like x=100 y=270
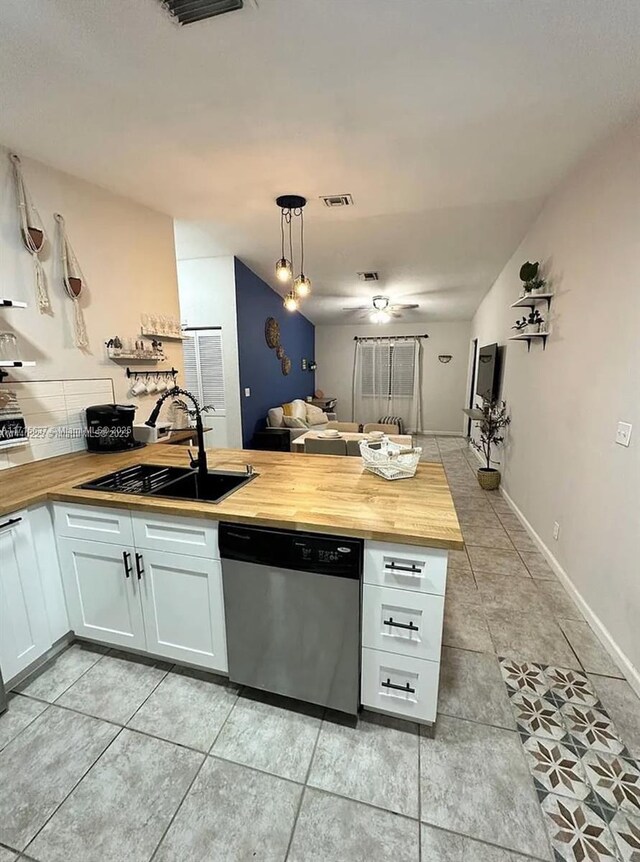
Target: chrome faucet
x=200 y=461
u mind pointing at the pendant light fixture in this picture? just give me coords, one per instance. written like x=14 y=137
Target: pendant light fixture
x=292 y=207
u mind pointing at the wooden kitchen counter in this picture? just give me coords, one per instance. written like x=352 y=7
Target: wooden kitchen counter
x=319 y=493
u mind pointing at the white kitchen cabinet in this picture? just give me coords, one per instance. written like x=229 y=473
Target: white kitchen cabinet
x=24 y=628
x=402 y=621
x=183 y=608
x=102 y=591
x=44 y=544
x=403 y=600
x=160 y=591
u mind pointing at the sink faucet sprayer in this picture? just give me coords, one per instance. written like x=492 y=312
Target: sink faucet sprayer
x=201 y=460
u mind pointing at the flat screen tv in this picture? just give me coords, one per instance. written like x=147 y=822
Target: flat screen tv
x=488 y=377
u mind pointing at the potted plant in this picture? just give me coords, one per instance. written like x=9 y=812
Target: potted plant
x=534 y=321
x=520 y=325
x=494 y=421
x=531 y=281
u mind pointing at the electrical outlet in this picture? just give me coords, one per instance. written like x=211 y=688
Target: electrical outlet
x=623 y=433
x=247 y=392
x=556 y=530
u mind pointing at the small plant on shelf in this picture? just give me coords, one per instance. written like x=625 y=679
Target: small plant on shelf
x=492 y=426
x=520 y=325
x=535 y=321
x=530 y=277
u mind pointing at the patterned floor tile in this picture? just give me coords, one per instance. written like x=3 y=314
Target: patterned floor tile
x=577 y=832
x=523 y=676
x=538 y=717
x=592 y=728
x=615 y=779
x=571 y=685
x=557 y=768
x=626 y=832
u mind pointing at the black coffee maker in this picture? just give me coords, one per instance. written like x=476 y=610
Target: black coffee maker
x=110 y=428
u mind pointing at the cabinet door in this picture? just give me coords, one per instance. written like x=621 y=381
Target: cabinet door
x=183 y=608
x=103 y=601
x=24 y=630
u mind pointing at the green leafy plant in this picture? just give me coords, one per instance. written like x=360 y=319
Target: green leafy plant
x=529 y=275
x=519 y=325
x=492 y=425
x=181 y=405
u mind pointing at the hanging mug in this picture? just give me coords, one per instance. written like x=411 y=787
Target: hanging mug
x=139 y=387
x=152 y=385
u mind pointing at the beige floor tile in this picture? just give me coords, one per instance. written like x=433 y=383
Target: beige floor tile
x=515 y=595
x=486 y=537
x=465 y=625
x=530 y=638
x=561 y=604
x=623 y=706
x=459 y=561
x=522 y=541
x=593 y=656
x=496 y=561
x=537 y=566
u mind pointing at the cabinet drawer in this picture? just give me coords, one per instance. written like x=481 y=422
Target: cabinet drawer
x=195 y=537
x=401 y=621
x=405 y=567
x=93 y=522
x=400 y=685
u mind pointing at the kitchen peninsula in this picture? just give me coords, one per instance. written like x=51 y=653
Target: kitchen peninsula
x=144 y=572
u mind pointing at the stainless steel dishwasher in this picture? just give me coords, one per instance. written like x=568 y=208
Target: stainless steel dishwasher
x=292 y=609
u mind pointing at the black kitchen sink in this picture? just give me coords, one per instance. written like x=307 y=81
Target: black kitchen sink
x=217 y=485
x=181 y=483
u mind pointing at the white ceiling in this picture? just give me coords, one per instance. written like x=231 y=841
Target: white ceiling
x=447 y=120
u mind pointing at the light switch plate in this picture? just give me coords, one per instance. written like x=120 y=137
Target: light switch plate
x=623 y=434
x=247 y=392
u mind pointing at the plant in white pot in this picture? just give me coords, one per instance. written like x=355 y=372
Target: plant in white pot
x=492 y=425
x=530 y=278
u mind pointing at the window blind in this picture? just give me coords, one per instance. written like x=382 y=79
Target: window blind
x=387 y=368
x=204 y=368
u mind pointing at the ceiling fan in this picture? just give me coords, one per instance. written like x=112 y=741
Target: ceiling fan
x=381 y=310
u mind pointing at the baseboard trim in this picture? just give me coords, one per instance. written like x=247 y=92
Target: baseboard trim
x=631 y=673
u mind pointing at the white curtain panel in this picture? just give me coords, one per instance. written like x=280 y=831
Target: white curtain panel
x=387 y=381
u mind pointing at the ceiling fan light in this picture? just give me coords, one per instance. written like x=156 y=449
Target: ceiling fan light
x=380 y=317
x=283 y=270
x=291 y=302
x=380 y=302
x=302 y=286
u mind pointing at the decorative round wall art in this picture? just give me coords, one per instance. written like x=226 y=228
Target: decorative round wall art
x=279 y=351
x=286 y=365
x=272 y=332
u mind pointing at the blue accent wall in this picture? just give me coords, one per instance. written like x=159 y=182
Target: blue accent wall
x=259 y=367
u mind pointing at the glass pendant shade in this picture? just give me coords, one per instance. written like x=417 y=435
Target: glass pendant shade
x=302 y=286
x=283 y=270
x=291 y=302
x=380 y=317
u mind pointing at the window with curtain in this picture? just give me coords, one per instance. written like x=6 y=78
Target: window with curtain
x=387 y=381
x=204 y=369
x=387 y=369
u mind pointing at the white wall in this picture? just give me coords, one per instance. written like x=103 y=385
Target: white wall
x=207 y=288
x=443 y=386
x=126 y=252
x=562 y=463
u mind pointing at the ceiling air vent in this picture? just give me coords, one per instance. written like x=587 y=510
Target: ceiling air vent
x=190 y=11
x=369 y=276
x=337 y=200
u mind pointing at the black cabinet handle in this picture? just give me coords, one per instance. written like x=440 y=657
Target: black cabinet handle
x=126 y=558
x=410 y=626
x=406 y=687
x=394 y=567
x=139 y=566
x=10 y=523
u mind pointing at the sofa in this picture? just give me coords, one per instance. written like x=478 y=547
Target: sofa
x=299 y=417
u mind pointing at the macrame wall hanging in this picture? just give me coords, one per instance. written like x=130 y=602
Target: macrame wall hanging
x=74 y=282
x=32 y=232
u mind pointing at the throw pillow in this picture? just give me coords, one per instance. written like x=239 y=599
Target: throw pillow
x=316 y=416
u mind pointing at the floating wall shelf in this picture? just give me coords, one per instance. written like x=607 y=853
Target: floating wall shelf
x=527 y=336
x=136 y=356
x=15 y=363
x=531 y=299
x=12 y=303
x=160 y=336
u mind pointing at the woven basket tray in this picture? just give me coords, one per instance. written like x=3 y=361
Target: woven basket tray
x=389 y=461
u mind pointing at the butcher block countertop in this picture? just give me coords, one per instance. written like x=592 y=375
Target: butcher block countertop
x=319 y=493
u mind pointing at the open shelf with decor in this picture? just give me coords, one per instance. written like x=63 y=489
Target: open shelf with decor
x=135 y=356
x=11 y=303
x=163 y=336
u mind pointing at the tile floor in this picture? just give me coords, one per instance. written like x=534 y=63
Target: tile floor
x=104 y=758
